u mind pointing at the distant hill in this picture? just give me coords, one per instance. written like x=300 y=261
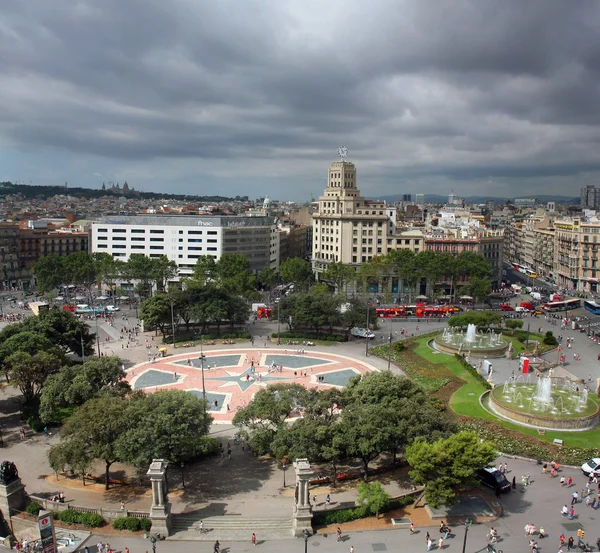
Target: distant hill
x=36 y=191
x=439 y=199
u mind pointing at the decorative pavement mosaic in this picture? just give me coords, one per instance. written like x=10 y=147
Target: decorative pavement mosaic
x=232 y=377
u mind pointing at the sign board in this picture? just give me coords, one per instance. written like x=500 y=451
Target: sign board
x=46 y=526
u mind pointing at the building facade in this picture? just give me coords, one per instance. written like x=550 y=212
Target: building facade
x=590 y=197
x=576 y=260
x=347 y=228
x=185 y=239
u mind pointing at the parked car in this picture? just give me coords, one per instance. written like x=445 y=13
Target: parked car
x=591 y=466
x=493 y=478
x=362 y=333
x=112 y=308
x=506 y=307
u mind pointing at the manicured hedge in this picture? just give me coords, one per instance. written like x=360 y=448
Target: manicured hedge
x=132 y=524
x=323 y=518
x=196 y=337
x=33 y=508
x=70 y=516
x=306 y=335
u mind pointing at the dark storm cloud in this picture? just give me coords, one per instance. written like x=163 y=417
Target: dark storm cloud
x=460 y=89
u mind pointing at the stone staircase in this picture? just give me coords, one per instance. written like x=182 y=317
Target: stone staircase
x=230 y=528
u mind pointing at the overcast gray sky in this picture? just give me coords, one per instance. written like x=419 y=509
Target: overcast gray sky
x=254 y=97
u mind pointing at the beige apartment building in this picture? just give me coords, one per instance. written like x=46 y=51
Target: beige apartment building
x=347 y=228
x=576 y=247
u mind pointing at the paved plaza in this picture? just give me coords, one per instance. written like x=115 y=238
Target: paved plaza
x=248 y=488
x=231 y=377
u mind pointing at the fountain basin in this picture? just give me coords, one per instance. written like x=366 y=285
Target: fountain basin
x=480 y=345
x=563 y=411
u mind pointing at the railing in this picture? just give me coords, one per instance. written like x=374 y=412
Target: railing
x=106 y=513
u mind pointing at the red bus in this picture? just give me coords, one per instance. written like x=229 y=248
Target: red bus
x=419 y=310
x=561 y=305
x=263 y=312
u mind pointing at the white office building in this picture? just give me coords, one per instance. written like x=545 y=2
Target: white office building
x=184 y=239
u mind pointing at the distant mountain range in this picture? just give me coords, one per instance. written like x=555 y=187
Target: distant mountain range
x=439 y=199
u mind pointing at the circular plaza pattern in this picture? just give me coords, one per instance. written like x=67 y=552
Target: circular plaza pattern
x=232 y=377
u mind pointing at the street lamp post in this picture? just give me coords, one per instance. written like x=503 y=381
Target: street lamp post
x=467 y=526
x=182 y=476
x=201 y=358
x=367 y=333
x=278 y=323
x=172 y=323
x=283 y=468
x=82 y=348
x=97 y=333
x=306 y=534
x=390 y=348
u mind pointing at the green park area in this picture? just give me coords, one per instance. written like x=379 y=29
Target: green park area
x=448 y=381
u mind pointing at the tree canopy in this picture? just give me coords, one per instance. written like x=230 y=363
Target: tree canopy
x=443 y=465
x=132 y=429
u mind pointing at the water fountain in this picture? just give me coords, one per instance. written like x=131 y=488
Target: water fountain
x=480 y=344
x=546 y=403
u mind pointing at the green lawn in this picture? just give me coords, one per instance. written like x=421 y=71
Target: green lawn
x=465 y=401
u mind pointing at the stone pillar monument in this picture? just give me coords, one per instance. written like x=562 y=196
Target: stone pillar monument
x=12 y=491
x=302 y=517
x=160 y=512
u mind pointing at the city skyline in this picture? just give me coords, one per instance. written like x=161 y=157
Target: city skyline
x=255 y=99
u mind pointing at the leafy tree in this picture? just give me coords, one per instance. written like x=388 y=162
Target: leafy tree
x=205 y=270
x=296 y=271
x=267 y=277
x=338 y=276
x=156 y=312
x=315 y=436
x=63 y=329
x=376 y=271
x=478 y=287
x=164 y=425
x=140 y=268
x=162 y=270
x=445 y=464
x=403 y=263
x=70 y=454
x=267 y=413
x=29 y=372
x=27 y=341
x=513 y=324
x=49 y=272
x=80 y=268
x=355 y=314
x=73 y=385
x=94 y=433
x=109 y=268
x=316 y=309
x=402 y=411
x=373 y=496
x=234 y=275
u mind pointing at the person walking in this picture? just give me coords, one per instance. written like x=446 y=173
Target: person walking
x=412 y=528
x=253 y=539
x=351 y=549
x=542 y=533
x=429 y=544
x=569 y=482
x=570 y=543
x=441 y=543
x=562 y=481
x=574 y=498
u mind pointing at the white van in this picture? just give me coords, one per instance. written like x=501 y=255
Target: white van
x=362 y=333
